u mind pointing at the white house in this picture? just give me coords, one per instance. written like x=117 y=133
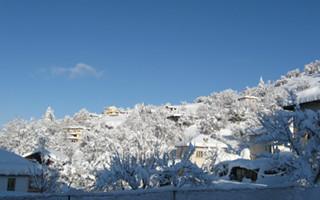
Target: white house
x=259 y=147
x=15 y=172
x=202 y=144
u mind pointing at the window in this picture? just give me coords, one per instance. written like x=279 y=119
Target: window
x=11 y=184
x=199 y=154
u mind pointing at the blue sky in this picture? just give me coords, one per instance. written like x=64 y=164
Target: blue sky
x=75 y=54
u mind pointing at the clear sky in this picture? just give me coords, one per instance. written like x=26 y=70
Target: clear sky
x=91 y=53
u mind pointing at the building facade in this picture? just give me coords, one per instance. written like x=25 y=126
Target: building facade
x=15 y=172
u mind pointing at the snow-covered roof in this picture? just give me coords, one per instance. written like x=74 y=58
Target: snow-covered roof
x=176 y=115
x=207 y=141
x=256 y=131
x=263 y=163
x=248 y=97
x=204 y=141
x=50 y=154
x=310 y=93
x=193 y=136
x=12 y=164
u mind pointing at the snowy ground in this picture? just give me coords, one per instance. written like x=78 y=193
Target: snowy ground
x=286 y=193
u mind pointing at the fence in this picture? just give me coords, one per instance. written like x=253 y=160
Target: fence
x=292 y=193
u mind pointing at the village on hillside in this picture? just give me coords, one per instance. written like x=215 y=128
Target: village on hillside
x=264 y=136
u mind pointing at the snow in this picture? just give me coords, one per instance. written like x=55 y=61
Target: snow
x=277 y=179
x=248 y=97
x=206 y=141
x=49 y=154
x=189 y=109
x=191 y=132
x=251 y=164
x=115 y=121
x=219 y=121
x=12 y=164
x=228 y=137
x=306 y=88
x=224 y=132
x=256 y=131
x=225 y=156
x=219 y=143
x=245 y=154
x=193 y=136
x=56 y=155
x=309 y=95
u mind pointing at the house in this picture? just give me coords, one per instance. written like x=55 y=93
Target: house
x=15 y=172
x=260 y=147
x=43 y=157
x=306 y=99
x=311 y=105
x=46 y=156
x=202 y=144
x=256 y=146
x=173 y=114
x=111 y=111
x=185 y=110
x=74 y=132
x=171 y=108
x=205 y=145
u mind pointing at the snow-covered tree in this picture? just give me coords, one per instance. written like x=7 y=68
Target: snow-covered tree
x=46 y=179
x=218 y=111
x=312 y=68
x=131 y=172
x=303 y=139
x=49 y=114
x=142 y=137
x=294 y=73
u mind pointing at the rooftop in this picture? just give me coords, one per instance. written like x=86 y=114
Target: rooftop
x=12 y=164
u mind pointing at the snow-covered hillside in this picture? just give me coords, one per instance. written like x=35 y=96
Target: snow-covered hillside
x=141 y=141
